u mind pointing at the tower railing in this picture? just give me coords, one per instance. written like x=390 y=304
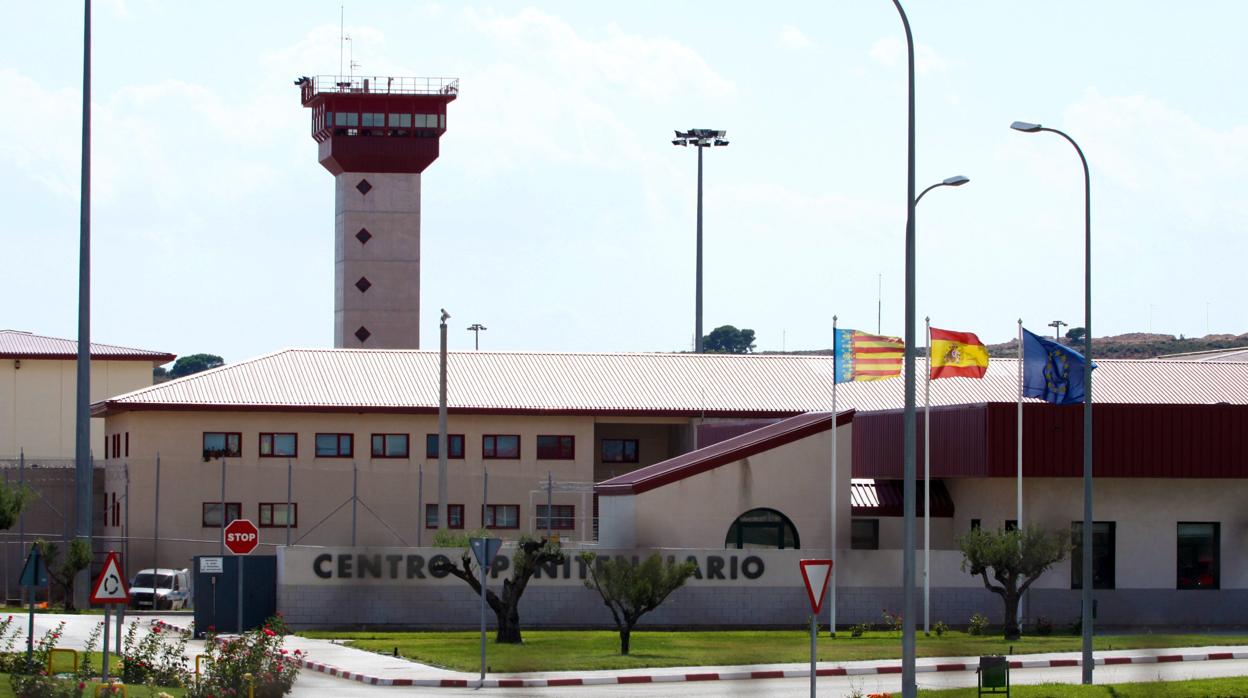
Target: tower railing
x=379 y=85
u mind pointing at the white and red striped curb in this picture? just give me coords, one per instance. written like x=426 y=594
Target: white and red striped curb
x=760 y=674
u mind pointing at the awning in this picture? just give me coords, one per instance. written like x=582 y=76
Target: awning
x=884 y=498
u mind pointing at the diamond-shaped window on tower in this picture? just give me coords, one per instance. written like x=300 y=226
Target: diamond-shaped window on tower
x=363 y=284
x=364 y=187
x=363 y=334
x=363 y=236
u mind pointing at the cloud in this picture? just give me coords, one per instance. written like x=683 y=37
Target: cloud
x=891 y=51
x=792 y=38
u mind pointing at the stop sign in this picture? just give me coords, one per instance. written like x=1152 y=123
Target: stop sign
x=241 y=536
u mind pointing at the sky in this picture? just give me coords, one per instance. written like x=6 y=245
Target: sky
x=559 y=214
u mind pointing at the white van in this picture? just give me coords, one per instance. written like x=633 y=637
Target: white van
x=161 y=589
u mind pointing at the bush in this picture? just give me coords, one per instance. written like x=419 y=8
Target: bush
x=940 y=628
x=1044 y=626
x=1076 y=628
x=255 y=656
x=859 y=629
x=892 y=621
x=979 y=624
x=156 y=659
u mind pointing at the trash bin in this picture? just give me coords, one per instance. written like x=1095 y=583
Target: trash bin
x=994 y=675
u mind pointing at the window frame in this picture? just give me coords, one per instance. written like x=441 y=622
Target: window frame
x=273 y=444
x=225 y=453
x=294 y=510
x=203 y=513
x=558 y=450
x=1217 y=556
x=558 y=522
x=407 y=445
x=1076 y=555
x=493 y=508
x=431 y=446
x=875 y=533
x=316 y=453
x=449 y=517
x=492 y=452
x=602 y=455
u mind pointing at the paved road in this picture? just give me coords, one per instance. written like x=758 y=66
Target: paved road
x=315 y=684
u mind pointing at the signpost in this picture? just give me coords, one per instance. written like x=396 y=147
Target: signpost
x=34 y=576
x=109 y=588
x=485 y=550
x=816 y=574
x=241 y=537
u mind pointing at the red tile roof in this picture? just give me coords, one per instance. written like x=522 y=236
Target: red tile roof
x=715 y=385
x=722 y=453
x=15 y=344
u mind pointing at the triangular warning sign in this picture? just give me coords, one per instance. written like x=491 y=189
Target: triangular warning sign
x=110 y=586
x=816 y=574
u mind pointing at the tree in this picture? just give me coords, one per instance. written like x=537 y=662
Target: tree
x=195 y=363
x=63 y=572
x=633 y=590
x=12 y=501
x=1075 y=334
x=530 y=555
x=1017 y=559
x=727 y=339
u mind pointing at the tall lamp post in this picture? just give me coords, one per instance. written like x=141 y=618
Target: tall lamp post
x=699 y=138
x=1057 y=326
x=475 y=329
x=955 y=181
x=1087 y=393
x=909 y=689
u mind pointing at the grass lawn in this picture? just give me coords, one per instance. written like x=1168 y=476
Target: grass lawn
x=1197 y=688
x=559 y=650
x=6 y=689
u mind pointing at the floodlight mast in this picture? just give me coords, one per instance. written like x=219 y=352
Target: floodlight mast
x=699 y=138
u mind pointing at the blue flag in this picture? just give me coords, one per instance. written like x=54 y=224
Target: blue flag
x=1052 y=372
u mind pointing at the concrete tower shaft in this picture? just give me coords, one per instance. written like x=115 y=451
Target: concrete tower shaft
x=377 y=135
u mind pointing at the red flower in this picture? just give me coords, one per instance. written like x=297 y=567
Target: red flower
x=156 y=629
x=268 y=632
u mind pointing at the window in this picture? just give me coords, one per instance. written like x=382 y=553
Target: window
x=116 y=446
x=1199 y=555
x=864 y=534
x=1102 y=555
x=501 y=516
x=563 y=517
x=1011 y=524
x=762 y=528
x=975 y=524
x=500 y=446
x=556 y=447
x=619 y=450
x=212 y=513
x=454 y=446
x=275 y=515
x=389 y=445
x=454 y=515
x=218 y=444
x=127 y=453
x=345 y=119
x=275 y=445
x=370 y=119
x=335 y=445
x=401 y=120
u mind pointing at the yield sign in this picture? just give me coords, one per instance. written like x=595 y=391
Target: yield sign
x=816 y=574
x=110 y=586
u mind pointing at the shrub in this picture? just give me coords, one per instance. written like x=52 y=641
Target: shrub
x=859 y=629
x=1044 y=626
x=979 y=624
x=940 y=628
x=1076 y=628
x=155 y=659
x=257 y=655
x=892 y=621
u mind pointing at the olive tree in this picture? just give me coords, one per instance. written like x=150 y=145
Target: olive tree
x=62 y=572
x=1016 y=558
x=632 y=590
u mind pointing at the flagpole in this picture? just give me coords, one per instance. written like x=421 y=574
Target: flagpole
x=927 y=484
x=1018 y=616
x=832 y=539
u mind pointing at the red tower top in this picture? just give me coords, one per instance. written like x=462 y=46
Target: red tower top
x=377 y=124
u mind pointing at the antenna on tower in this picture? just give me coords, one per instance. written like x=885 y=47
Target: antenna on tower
x=342 y=35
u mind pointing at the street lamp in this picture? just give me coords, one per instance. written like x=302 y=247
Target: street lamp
x=699 y=138
x=1026 y=127
x=475 y=329
x=954 y=181
x=1057 y=326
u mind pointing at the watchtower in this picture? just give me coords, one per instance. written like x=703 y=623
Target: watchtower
x=376 y=136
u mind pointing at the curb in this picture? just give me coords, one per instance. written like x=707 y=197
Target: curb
x=745 y=675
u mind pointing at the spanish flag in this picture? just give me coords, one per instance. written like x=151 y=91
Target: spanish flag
x=867 y=357
x=957 y=355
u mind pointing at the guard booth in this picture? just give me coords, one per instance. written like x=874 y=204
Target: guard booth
x=225 y=604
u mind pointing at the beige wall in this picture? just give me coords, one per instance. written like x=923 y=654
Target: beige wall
x=655 y=443
x=37 y=403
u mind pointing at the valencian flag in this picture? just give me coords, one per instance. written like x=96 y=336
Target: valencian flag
x=867 y=357
x=1052 y=372
x=957 y=355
